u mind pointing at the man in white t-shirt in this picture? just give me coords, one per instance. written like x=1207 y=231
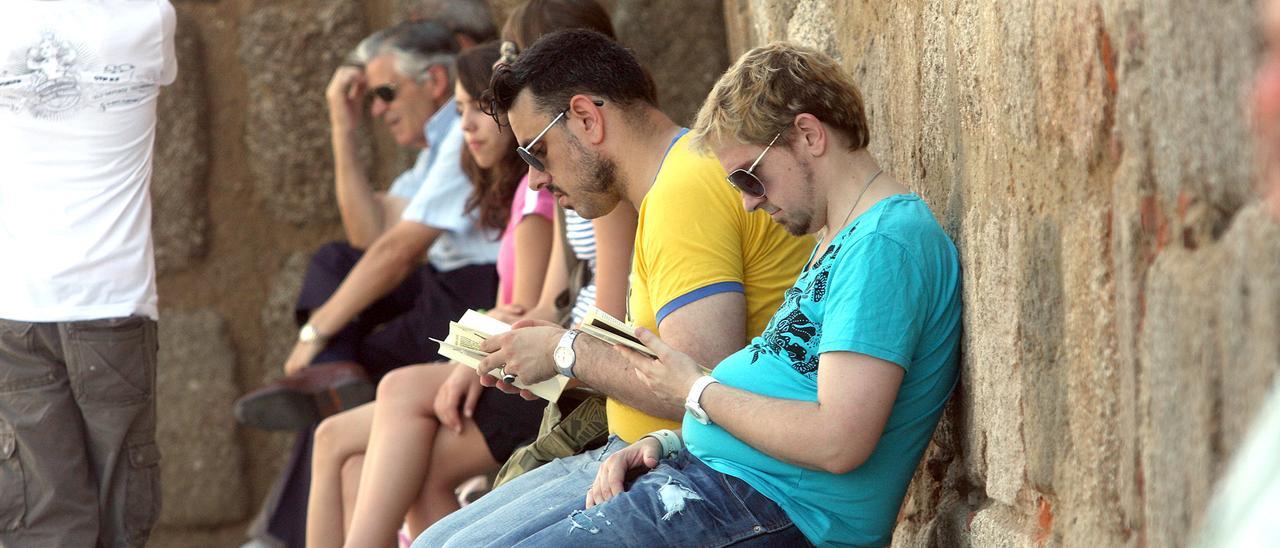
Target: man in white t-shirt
x=78 y=86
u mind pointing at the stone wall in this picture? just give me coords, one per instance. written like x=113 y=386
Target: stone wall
x=1092 y=162
x=243 y=194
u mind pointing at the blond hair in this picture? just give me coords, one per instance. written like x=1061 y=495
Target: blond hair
x=761 y=94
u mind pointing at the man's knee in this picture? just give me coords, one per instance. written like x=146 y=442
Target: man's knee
x=337 y=255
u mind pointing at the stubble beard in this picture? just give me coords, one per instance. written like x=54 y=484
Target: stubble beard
x=600 y=191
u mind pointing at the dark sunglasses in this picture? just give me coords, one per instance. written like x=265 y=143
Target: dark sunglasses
x=524 y=151
x=386 y=92
x=746 y=181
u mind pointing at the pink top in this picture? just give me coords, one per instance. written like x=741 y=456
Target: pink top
x=526 y=202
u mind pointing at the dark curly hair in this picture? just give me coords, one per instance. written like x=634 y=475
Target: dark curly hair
x=494 y=188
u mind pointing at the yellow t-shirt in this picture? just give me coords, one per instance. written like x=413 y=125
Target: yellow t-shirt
x=693 y=240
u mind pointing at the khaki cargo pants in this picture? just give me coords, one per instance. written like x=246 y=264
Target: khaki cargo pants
x=78 y=459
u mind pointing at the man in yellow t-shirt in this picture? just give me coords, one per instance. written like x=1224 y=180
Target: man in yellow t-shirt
x=706 y=275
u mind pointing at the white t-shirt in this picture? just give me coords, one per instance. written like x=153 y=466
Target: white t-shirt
x=78 y=86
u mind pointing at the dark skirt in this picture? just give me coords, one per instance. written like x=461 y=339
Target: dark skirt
x=507 y=421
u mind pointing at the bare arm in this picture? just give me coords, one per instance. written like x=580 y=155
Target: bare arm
x=387 y=263
x=533 y=247
x=556 y=279
x=836 y=433
x=365 y=214
x=615 y=241
x=712 y=328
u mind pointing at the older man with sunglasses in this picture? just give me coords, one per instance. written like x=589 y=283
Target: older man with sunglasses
x=372 y=304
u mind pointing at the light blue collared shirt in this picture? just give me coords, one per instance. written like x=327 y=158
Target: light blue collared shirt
x=441 y=201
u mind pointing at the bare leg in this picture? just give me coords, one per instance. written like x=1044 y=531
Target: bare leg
x=350 y=486
x=454 y=459
x=337 y=439
x=404 y=431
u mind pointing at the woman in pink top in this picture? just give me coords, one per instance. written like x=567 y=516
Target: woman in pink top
x=434 y=426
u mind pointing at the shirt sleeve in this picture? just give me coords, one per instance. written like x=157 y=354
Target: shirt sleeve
x=692 y=244
x=407 y=184
x=168 y=25
x=875 y=301
x=442 y=200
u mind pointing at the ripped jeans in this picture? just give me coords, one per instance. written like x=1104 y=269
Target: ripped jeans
x=682 y=502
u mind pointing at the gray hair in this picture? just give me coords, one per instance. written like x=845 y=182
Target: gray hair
x=469 y=17
x=416 y=47
x=366 y=49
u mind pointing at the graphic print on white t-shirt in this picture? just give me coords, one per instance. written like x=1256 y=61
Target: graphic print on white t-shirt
x=57 y=77
x=79 y=84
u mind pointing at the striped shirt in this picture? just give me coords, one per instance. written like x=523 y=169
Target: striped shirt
x=582 y=238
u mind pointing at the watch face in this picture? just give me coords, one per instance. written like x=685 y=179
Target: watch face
x=563 y=356
x=697 y=412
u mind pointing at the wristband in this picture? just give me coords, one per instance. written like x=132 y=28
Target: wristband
x=670 y=442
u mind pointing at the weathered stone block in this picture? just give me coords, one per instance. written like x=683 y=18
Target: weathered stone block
x=1189 y=65
x=1176 y=407
x=686 y=54
x=279 y=328
x=289 y=54
x=812 y=25
x=994 y=429
x=179 y=185
x=201 y=468
x=1000 y=526
x=1250 y=320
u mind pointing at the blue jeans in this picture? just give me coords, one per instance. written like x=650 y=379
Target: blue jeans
x=682 y=502
x=523 y=506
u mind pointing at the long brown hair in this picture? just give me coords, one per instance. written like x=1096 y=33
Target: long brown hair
x=494 y=188
x=532 y=19
x=535 y=18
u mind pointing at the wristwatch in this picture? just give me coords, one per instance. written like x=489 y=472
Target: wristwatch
x=692 y=403
x=564 y=357
x=309 y=334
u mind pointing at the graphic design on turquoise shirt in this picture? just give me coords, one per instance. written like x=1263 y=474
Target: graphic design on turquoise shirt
x=888 y=286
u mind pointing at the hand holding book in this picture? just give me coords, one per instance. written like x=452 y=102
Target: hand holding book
x=601 y=325
x=466 y=338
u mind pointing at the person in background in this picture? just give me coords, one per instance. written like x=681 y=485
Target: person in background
x=79 y=464
x=411 y=448
x=381 y=315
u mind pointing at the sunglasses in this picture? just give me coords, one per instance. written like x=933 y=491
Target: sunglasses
x=746 y=181
x=529 y=157
x=386 y=92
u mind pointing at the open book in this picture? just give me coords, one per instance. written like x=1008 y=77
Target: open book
x=463 y=346
x=601 y=325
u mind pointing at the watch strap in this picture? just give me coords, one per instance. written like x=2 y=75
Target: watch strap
x=670 y=442
x=566 y=341
x=694 y=399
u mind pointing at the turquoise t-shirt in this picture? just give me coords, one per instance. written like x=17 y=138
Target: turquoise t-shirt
x=888 y=287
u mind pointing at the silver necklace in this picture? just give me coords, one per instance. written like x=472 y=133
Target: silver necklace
x=865 y=186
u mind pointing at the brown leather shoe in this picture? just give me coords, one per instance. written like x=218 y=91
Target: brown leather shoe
x=305 y=398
